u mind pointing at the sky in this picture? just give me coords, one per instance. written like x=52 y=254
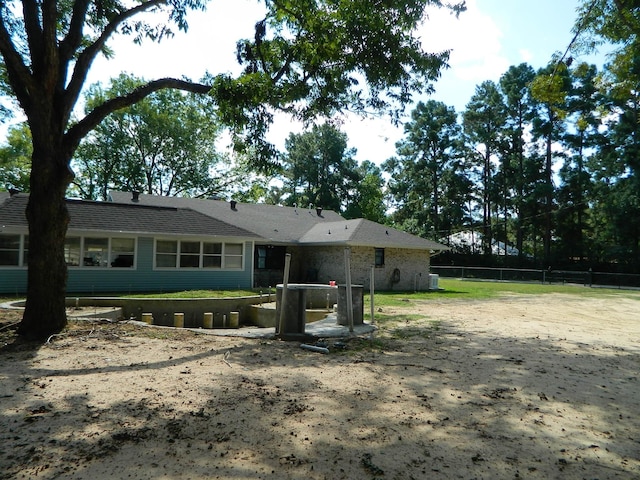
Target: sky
x=485 y=40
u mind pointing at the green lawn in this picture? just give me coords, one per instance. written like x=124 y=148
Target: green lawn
x=450 y=289
x=474 y=289
x=199 y=294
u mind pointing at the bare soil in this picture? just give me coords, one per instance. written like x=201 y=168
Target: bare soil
x=535 y=387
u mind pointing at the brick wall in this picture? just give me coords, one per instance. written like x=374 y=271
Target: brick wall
x=412 y=266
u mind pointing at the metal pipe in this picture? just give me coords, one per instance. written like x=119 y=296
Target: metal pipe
x=347 y=268
x=285 y=282
x=371 y=292
x=314 y=348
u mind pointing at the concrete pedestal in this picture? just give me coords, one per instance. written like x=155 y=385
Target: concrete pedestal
x=295 y=309
x=357 y=294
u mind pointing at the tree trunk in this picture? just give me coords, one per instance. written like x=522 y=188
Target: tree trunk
x=45 y=312
x=486 y=209
x=519 y=205
x=548 y=172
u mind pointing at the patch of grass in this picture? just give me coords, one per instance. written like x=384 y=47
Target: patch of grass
x=364 y=345
x=392 y=331
x=198 y=294
x=11 y=299
x=491 y=289
x=475 y=290
x=406 y=326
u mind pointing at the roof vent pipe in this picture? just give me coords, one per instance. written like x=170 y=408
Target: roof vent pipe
x=319 y=211
x=135 y=196
x=233 y=204
x=13 y=191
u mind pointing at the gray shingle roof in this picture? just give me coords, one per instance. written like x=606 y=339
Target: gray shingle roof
x=289 y=225
x=273 y=223
x=112 y=217
x=365 y=233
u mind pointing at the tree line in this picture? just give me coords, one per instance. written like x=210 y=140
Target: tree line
x=544 y=161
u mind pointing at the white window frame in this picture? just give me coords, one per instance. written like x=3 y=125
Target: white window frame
x=111 y=255
x=20 y=250
x=114 y=255
x=224 y=255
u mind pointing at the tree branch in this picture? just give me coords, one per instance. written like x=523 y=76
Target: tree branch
x=88 y=123
x=33 y=29
x=88 y=55
x=18 y=74
x=73 y=40
x=50 y=70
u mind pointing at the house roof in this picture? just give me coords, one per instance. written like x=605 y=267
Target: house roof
x=362 y=232
x=290 y=225
x=112 y=217
x=216 y=218
x=273 y=223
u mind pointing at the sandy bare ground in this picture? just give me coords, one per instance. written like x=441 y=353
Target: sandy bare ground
x=534 y=387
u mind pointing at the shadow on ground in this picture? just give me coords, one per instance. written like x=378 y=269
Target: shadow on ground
x=432 y=402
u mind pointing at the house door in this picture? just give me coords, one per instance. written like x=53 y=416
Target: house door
x=268 y=265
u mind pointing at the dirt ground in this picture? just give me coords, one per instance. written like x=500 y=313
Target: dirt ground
x=535 y=387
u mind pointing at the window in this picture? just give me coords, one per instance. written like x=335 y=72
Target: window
x=269 y=257
x=122 y=252
x=166 y=253
x=379 y=261
x=261 y=258
x=25 y=250
x=78 y=251
x=96 y=252
x=212 y=255
x=72 y=251
x=10 y=250
x=189 y=254
x=196 y=254
x=232 y=255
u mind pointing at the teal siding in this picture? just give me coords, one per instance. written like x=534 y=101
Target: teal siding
x=143 y=278
x=13 y=281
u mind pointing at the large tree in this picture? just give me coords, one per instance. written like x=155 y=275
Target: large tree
x=162 y=145
x=426 y=170
x=309 y=58
x=367 y=200
x=319 y=168
x=550 y=88
x=484 y=124
x=15 y=158
x=583 y=136
x=514 y=84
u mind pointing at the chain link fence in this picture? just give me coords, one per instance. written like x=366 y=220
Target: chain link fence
x=586 y=278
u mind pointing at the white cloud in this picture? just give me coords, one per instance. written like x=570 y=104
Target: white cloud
x=526 y=55
x=474 y=40
x=208 y=45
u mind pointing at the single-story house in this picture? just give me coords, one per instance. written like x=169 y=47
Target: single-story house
x=138 y=242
